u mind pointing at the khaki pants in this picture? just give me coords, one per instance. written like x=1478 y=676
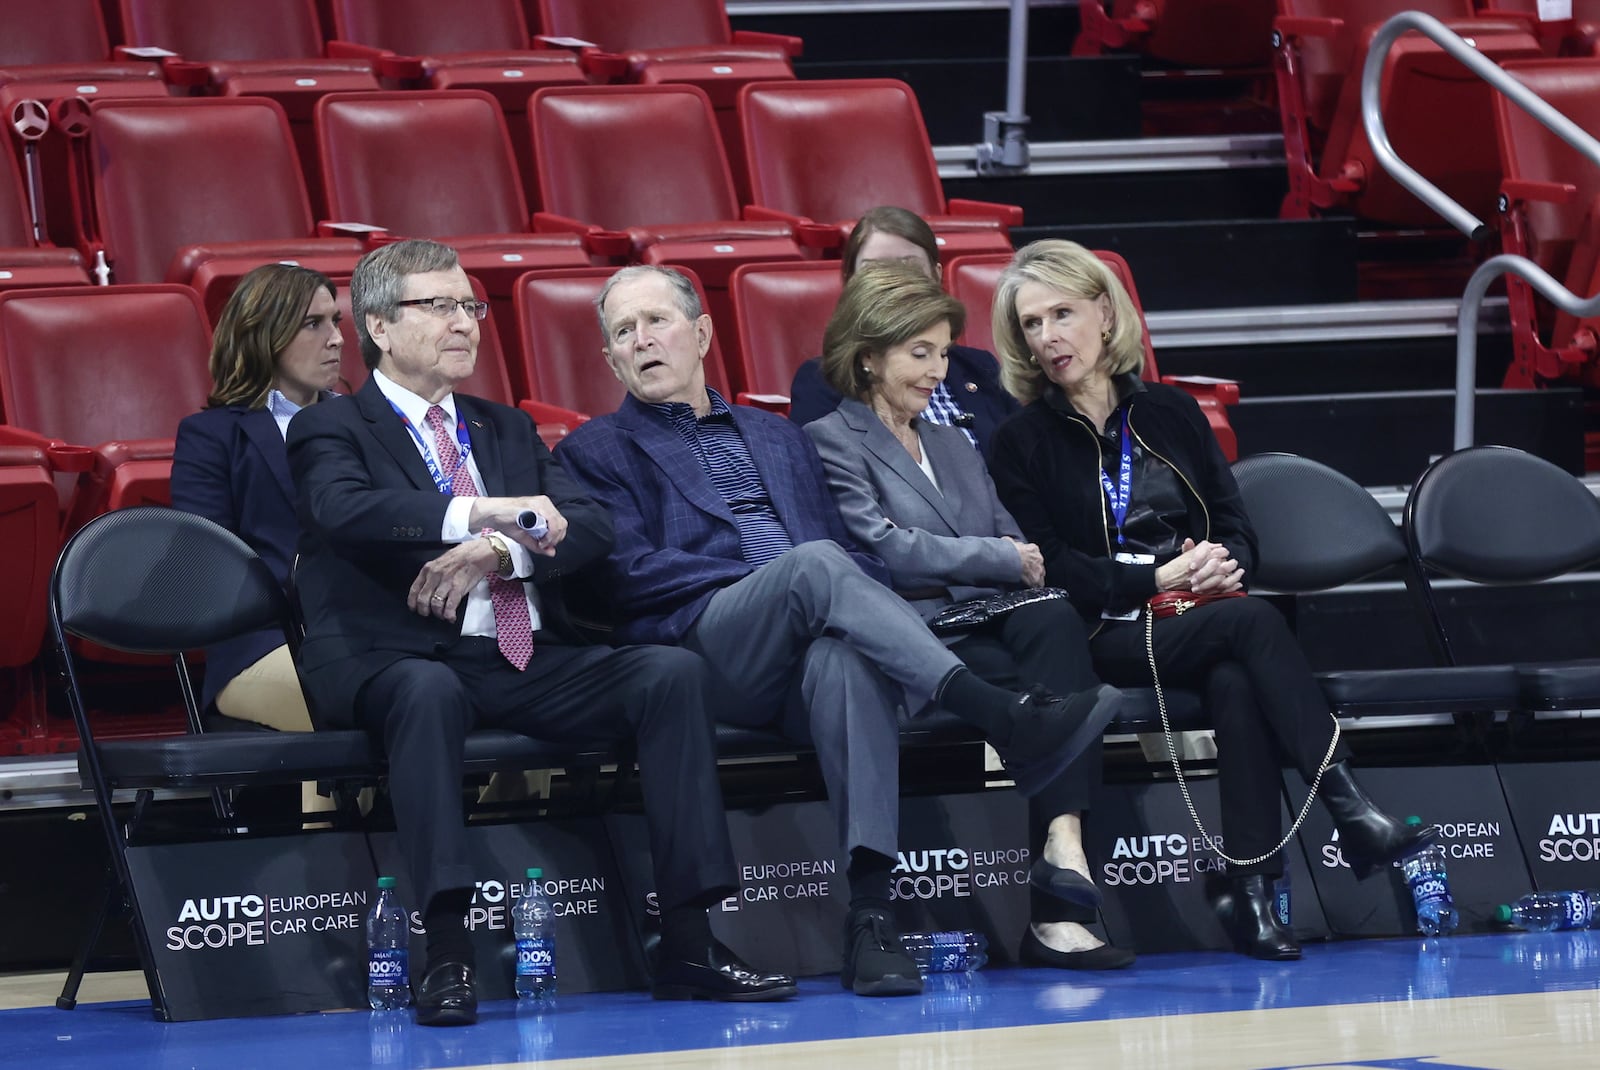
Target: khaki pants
x=268 y=693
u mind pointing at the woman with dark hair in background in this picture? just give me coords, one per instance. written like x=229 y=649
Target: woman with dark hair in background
x=1125 y=490
x=917 y=495
x=970 y=396
x=276 y=349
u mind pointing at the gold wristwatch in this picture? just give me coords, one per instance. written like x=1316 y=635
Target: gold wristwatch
x=502 y=553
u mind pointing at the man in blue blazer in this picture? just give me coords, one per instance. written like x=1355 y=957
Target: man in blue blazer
x=431 y=609
x=728 y=543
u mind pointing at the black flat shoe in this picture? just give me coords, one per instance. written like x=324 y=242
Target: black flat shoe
x=448 y=995
x=875 y=962
x=1244 y=906
x=717 y=973
x=1066 y=884
x=1036 y=952
x=1049 y=733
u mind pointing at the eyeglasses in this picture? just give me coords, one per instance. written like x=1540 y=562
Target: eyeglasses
x=445 y=307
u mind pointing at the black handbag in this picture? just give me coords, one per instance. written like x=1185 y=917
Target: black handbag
x=977 y=612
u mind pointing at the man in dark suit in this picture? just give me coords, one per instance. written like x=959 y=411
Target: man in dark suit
x=729 y=543
x=431 y=610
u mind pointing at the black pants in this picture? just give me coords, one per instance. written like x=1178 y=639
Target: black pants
x=1044 y=643
x=421 y=710
x=1264 y=703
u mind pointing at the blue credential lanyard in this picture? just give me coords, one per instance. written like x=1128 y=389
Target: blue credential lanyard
x=462 y=441
x=1121 y=495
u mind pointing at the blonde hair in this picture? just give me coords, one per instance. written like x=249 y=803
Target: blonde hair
x=883 y=305
x=1078 y=273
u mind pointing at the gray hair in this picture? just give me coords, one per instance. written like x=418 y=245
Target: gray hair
x=379 y=280
x=683 y=292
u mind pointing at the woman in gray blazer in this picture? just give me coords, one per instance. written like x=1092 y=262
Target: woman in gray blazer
x=918 y=495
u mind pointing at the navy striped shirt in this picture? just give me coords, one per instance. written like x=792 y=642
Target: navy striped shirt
x=725 y=457
x=942 y=409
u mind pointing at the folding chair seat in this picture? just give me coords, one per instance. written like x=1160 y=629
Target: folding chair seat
x=1322 y=49
x=98 y=378
x=1552 y=216
x=1317 y=529
x=687 y=214
x=972 y=280
x=679 y=41
x=26 y=260
x=560 y=343
x=382 y=164
x=1190 y=33
x=827 y=151
x=173 y=183
x=270 y=48
x=484 y=45
x=1495 y=515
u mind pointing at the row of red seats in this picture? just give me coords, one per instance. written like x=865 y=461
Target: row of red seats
x=198 y=191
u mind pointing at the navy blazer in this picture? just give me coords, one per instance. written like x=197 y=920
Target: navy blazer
x=973 y=381
x=230 y=466
x=677 y=543
x=370 y=518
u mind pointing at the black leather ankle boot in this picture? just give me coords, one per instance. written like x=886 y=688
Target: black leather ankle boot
x=1369 y=838
x=1244 y=905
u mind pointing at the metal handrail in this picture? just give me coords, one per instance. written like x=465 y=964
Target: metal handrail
x=1456 y=215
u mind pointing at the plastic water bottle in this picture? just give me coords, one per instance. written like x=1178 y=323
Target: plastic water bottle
x=1543 y=912
x=1280 y=899
x=533 y=923
x=1430 y=889
x=388 y=951
x=949 y=952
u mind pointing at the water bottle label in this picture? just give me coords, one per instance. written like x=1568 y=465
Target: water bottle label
x=949 y=953
x=1579 y=911
x=536 y=957
x=386 y=966
x=1431 y=890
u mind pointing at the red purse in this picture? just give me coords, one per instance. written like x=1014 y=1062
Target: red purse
x=1176 y=603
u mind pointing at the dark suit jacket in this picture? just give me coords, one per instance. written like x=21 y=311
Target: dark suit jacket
x=973 y=380
x=230 y=466
x=370 y=518
x=677 y=543
x=955 y=537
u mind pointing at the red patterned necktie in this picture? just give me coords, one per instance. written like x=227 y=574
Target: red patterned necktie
x=512 y=622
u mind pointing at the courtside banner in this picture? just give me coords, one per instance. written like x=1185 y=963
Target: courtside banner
x=257 y=926
x=596 y=949
x=1556 y=810
x=1152 y=864
x=1482 y=857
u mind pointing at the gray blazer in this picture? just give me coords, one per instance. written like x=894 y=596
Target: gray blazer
x=953 y=536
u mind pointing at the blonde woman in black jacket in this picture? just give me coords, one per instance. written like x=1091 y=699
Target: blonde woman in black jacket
x=1124 y=489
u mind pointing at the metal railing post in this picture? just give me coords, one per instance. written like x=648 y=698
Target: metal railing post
x=1005 y=133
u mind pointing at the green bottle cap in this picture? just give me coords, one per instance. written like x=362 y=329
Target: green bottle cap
x=534 y=873
x=1413 y=820
x=1502 y=914
x=385 y=883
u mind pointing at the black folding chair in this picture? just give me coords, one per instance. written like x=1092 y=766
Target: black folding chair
x=1317 y=529
x=1496 y=515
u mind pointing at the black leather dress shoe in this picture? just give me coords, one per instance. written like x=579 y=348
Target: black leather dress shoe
x=1048 y=733
x=1036 y=952
x=448 y=995
x=717 y=973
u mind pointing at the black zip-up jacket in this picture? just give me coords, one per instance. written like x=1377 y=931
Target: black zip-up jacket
x=1046 y=461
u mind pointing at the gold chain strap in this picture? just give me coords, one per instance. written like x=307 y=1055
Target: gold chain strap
x=1177 y=766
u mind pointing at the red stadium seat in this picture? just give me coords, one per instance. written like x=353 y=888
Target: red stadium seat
x=24 y=260
x=1190 y=33
x=781 y=311
x=1577 y=36
x=562 y=363
x=679 y=41
x=686 y=214
x=29 y=539
x=1323 y=46
x=972 y=280
x=483 y=45
x=99 y=377
x=827 y=151
x=270 y=48
x=1552 y=197
x=174 y=183
x=378 y=168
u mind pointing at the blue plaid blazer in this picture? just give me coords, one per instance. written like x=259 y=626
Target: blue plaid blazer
x=677 y=543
